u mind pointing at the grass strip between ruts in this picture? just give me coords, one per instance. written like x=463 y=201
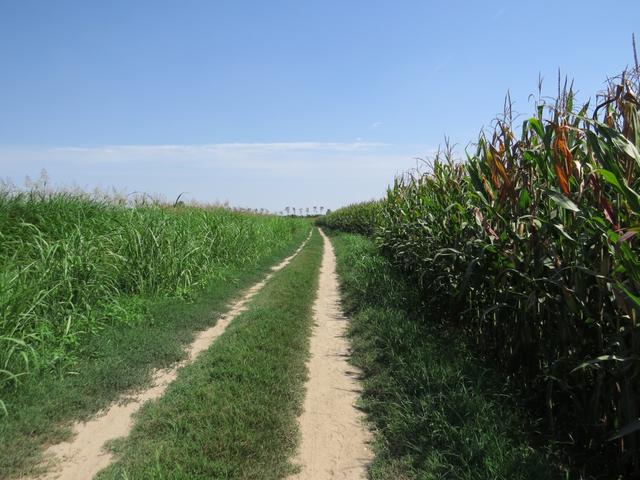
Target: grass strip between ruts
x=117 y=360
x=232 y=413
x=436 y=410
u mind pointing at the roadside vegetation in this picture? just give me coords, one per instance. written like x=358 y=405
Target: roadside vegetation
x=96 y=292
x=528 y=250
x=232 y=413
x=363 y=218
x=436 y=410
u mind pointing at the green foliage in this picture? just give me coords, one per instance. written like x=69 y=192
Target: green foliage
x=357 y=218
x=121 y=358
x=72 y=264
x=437 y=411
x=232 y=413
x=530 y=247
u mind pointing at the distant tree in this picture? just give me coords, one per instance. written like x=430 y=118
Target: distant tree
x=321 y=209
x=307 y=211
x=286 y=209
x=315 y=210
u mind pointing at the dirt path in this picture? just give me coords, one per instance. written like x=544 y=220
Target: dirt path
x=334 y=439
x=84 y=455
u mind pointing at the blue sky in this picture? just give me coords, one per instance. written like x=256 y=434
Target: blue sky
x=269 y=104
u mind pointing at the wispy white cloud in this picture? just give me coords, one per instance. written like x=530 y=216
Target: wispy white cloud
x=269 y=156
x=443 y=64
x=250 y=174
x=276 y=157
x=227 y=148
x=376 y=124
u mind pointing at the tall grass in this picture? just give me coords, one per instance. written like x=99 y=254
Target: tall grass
x=70 y=264
x=232 y=413
x=437 y=411
x=530 y=248
x=362 y=218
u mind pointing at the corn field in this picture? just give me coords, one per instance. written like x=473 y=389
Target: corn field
x=530 y=248
x=70 y=264
x=362 y=218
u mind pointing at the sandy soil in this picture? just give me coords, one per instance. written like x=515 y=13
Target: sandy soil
x=84 y=455
x=334 y=438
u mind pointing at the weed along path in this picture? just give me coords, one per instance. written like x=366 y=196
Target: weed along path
x=334 y=438
x=86 y=454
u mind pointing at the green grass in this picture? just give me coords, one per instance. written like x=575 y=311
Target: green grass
x=232 y=413
x=73 y=264
x=437 y=411
x=143 y=332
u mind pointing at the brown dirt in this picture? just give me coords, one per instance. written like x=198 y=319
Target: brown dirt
x=84 y=454
x=334 y=438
